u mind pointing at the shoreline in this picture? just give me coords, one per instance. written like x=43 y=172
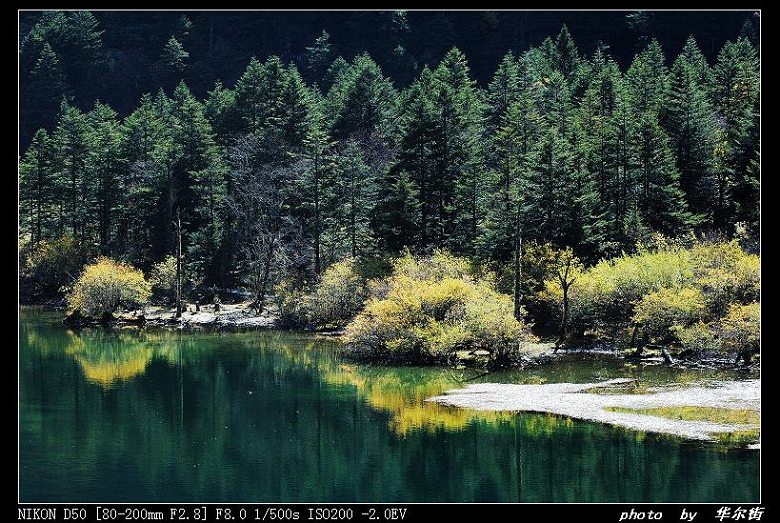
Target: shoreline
x=238 y=316
x=241 y=316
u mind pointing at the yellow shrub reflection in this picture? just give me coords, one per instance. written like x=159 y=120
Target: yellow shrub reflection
x=402 y=393
x=109 y=357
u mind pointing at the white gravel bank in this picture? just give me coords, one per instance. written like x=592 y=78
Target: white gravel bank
x=570 y=399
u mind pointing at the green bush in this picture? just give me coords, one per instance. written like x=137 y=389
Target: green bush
x=292 y=303
x=163 y=278
x=660 y=311
x=431 y=307
x=338 y=296
x=51 y=266
x=107 y=285
x=726 y=274
x=740 y=329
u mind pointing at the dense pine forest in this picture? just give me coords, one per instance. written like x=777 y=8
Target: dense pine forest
x=306 y=160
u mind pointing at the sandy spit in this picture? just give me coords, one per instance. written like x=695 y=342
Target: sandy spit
x=572 y=400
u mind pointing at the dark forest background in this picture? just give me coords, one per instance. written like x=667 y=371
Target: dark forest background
x=115 y=57
x=265 y=147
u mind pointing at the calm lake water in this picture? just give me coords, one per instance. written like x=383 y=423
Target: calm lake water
x=123 y=415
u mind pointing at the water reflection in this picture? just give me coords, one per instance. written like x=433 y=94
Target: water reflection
x=109 y=357
x=401 y=392
x=167 y=416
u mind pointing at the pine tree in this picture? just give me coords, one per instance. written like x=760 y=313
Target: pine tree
x=77 y=41
x=459 y=154
x=352 y=194
x=148 y=149
x=48 y=87
x=555 y=102
x=105 y=165
x=600 y=142
x=736 y=94
x=419 y=136
x=197 y=184
x=689 y=121
x=37 y=188
x=250 y=97
x=647 y=80
x=174 y=56
x=661 y=201
x=296 y=104
x=318 y=58
x=567 y=57
x=313 y=189
x=501 y=233
x=513 y=145
x=220 y=107
x=700 y=69
x=274 y=83
x=504 y=90
x=71 y=147
x=555 y=193
x=363 y=104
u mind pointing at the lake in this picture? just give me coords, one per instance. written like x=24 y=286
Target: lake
x=126 y=415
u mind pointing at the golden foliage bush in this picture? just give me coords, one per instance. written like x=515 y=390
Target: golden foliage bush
x=107 y=285
x=693 y=295
x=431 y=307
x=662 y=310
x=163 y=277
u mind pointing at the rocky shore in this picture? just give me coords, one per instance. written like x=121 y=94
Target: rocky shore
x=239 y=315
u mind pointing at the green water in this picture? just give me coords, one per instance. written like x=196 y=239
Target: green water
x=269 y=416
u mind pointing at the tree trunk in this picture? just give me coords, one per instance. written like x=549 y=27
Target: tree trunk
x=517 y=264
x=317 y=214
x=352 y=214
x=565 y=316
x=261 y=290
x=423 y=199
x=178 y=264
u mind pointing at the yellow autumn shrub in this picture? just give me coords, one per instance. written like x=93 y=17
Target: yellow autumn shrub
x=740 y=329
x=726 y=274
x=660 y=311
x=431 y=307
x=666 y=286
x=106 y=285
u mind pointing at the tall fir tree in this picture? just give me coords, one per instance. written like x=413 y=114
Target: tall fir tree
x=419 y=138
x=71 y=149
x=363 y=104
x=37 y=189
x=143 y=218
x=47 y=89
x=351 y=195
x=689 y=121
x=555 y=193
x=647 y=80
x=737 y=99
x=105 y=167
x=197 y=185
x=660 y=200
x=459 y=153
x=504 y=90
